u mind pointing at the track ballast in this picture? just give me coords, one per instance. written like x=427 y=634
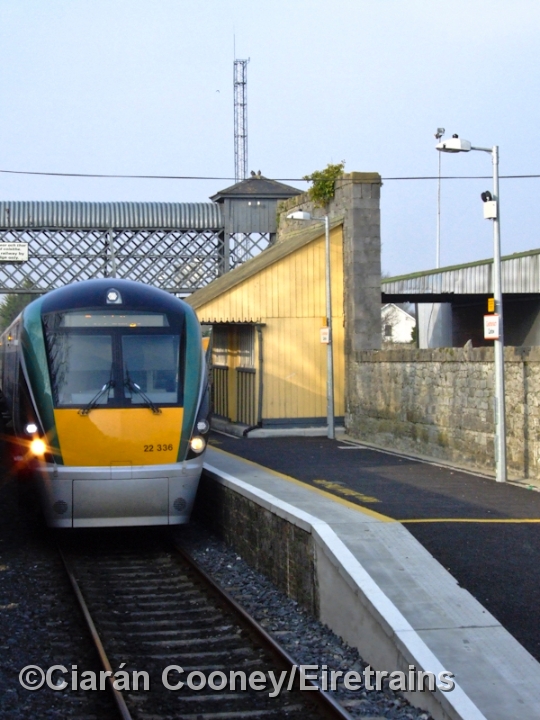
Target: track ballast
x=152 y=609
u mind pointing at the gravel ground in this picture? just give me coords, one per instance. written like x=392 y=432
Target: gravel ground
x=305 y=639
x=40 y=623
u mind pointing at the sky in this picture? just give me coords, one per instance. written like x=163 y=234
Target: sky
x=145 y=87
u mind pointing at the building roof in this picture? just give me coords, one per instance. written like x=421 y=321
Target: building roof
x=520 y=274
x=257 y=186
x=400 y=310
x=251 y=267
x=132 y=215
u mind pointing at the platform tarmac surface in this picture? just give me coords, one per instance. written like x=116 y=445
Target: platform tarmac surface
x=486 y=534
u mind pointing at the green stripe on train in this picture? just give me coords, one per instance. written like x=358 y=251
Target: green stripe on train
x=35 y=357
x=192 y=378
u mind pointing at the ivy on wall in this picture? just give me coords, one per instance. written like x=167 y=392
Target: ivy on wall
x=323 y=183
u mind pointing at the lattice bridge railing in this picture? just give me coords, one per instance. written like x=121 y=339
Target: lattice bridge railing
x=174 y=260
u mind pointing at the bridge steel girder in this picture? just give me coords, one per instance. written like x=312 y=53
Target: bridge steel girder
x=178 y=247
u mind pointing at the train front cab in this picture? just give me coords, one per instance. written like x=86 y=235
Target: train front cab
x=127 y=389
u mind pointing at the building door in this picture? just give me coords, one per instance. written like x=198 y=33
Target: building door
x=220 y=371
x=234 y=373
x=245 y=375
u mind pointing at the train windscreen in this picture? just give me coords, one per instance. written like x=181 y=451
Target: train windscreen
x=112 y=359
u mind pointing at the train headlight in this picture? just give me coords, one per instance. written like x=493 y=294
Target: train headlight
x=113 y=297
x=203 y=426
x=31 y=428
x=38 y=447
x=197 y=444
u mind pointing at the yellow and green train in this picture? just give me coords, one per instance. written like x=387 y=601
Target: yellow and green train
x=105 y=388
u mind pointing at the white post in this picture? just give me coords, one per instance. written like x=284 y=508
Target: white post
x=329 y=349
x=438 y=253
x=500 y=414
x=440 y=132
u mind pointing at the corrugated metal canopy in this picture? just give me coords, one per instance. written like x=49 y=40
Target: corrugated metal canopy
x=520 y=274
x=128 y=215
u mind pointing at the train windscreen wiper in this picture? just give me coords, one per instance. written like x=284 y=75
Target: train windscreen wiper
x=94 y=401
x=134 y=388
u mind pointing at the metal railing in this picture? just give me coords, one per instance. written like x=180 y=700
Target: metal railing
x=220 y=390
x=245 y=396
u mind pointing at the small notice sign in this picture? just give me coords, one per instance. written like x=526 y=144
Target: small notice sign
x=325 y=335
x=491 y=327
x=13 y=252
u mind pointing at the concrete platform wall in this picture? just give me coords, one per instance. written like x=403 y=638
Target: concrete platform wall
x=305 y=559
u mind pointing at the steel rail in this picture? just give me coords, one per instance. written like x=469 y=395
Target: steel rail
x=117 y=695
x=326 y=702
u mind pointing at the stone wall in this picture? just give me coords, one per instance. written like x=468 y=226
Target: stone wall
x=275 y=547
x=439 y=403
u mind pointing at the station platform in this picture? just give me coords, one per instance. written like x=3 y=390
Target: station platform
x=387 y=528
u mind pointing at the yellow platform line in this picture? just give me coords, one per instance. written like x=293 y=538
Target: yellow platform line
x=471 y=520
x=318 y=491
x=368 y=511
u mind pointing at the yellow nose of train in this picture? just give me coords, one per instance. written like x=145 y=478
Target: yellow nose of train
x=119 y=436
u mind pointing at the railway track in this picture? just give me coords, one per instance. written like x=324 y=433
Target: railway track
x=174 y=645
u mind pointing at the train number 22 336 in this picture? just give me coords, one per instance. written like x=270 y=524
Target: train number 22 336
x=158 y=448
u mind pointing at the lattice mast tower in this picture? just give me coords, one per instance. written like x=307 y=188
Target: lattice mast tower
x=240 y=120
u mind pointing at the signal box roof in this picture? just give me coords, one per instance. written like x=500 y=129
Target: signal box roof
x=257 y=186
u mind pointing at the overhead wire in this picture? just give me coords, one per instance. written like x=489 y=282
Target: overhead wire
x=211 y=177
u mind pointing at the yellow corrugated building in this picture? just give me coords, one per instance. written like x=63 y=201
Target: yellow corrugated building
x=269 y=364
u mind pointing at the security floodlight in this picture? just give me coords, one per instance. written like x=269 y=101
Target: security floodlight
x=299 y=215
x=454 y=145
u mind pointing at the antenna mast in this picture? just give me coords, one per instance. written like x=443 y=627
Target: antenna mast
x=240 y=120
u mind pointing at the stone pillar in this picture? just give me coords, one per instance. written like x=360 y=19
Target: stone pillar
x=357 y=199
x=357 y=203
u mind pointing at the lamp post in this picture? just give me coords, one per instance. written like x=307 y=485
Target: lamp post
x=440 y=132
x=301 y=215
x=453 y=145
